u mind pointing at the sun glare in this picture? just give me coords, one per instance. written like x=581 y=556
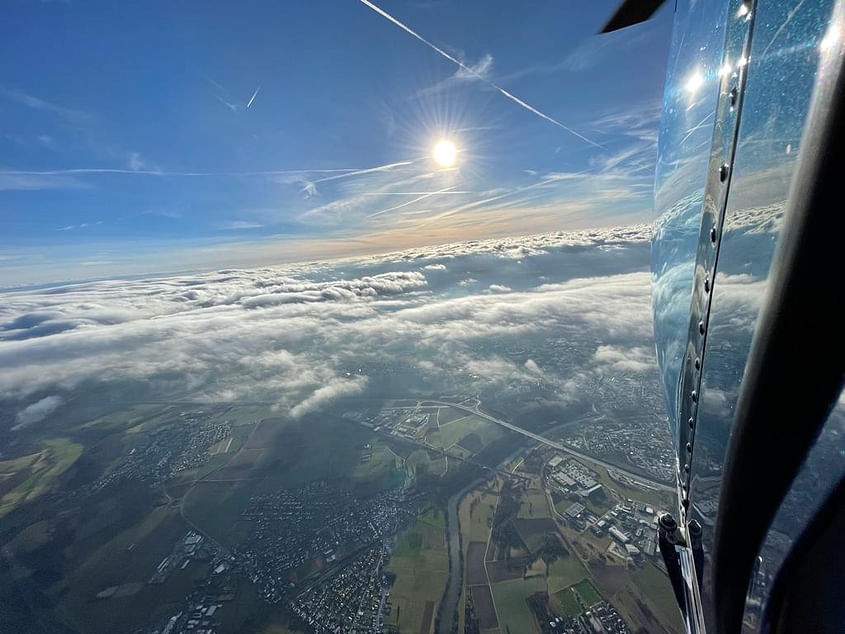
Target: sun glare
x=444 y=153
x=695 y=81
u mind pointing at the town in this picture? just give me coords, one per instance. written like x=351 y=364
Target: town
x=168 y=451
x=290 y=528
x=352 y=600
x=321 y=553
x=642 y=447
x=631 y=524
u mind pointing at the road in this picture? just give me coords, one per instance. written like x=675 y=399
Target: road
x=207 y=478
x=641 y=480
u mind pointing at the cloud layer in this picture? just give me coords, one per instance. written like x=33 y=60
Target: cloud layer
x=471 y=315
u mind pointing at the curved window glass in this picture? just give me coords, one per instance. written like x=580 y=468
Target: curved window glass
x=686 y=130
x=780 y=70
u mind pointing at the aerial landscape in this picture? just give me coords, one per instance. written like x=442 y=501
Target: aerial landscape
x=425 y=441
x=420 y=317
x=330 y=317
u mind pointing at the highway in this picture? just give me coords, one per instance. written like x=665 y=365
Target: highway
x=643 y=481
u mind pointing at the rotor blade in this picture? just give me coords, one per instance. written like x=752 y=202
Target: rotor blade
x=631 y=12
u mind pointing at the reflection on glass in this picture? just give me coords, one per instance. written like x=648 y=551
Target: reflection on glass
x=686 y=130
x=769 y=137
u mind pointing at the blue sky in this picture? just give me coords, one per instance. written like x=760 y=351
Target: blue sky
x=127 y=147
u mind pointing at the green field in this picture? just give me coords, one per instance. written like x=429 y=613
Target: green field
x=534 y=504
x=382 y=465
x=39 y=469
x=213 y=506
x=422 y=462
x=447 y=415
x=564 y=572
x=129 y=557
x=588 y=592
x=30 y=538
x=421 y=565
x=448 y=436
x=568 y=603
x=476 y=515
x=130 y=419
x=511 y=606
x=645 y=600
x=658 y=591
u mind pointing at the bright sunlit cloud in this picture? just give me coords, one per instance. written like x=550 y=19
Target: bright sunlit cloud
x=444 y=153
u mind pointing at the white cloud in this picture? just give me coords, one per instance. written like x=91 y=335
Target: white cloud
x=532 y=367
x=235 y=225
x=134 y=162
x=37 y=411
x=293 y=334
x=481 y=70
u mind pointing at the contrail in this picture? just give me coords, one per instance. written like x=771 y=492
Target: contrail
x=472 y=72
x=231 y=106
x=254 y=95
x=412 y=201
x=310 y=187
x=346 y=171
x=462 y=192
x=379 y=168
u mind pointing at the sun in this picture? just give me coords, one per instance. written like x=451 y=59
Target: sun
x=444 y=153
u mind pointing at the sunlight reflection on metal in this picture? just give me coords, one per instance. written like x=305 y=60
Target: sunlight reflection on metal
x=832 y=38
x=695 y=81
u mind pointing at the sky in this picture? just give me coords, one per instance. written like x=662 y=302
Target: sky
x=184 y=136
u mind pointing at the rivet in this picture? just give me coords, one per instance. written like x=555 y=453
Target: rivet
x=701 y=327
x=723 y=172
x=698 y=364
x=689 y=447
x=691 y=422
x=707 y=284
x=686 y=468
x=734 y=93
x=713 y=233
x=686 y=486
x=694 y=396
